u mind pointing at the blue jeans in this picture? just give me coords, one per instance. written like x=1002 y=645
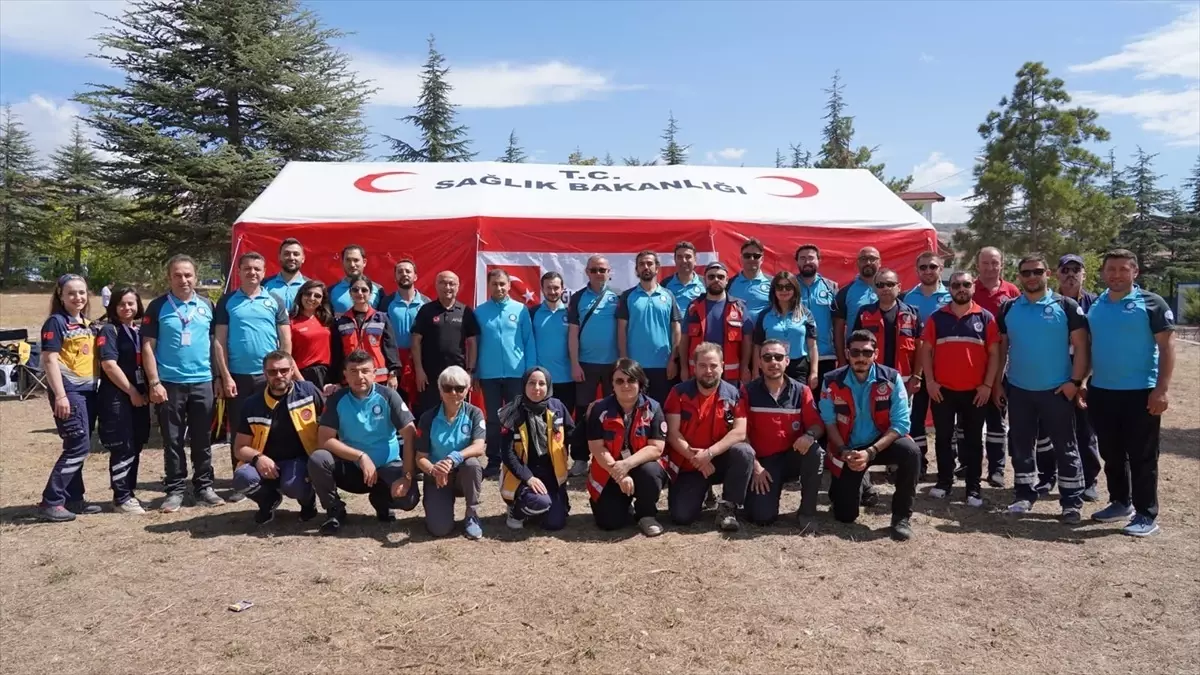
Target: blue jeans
x=497 y=392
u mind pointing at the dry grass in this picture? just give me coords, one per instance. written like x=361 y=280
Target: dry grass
x=975 y=592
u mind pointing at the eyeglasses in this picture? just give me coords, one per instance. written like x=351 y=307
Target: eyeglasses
x=886 y=284
x=928 y=268
x=1039 y=272
x=314 y=294
x=279 y=371
x=773 y=358
x=453 y=388
x=859 y=353
x=716 y=277
x=360 y=289
x=1071 y=269
x=624 y=381
x=961 y=284
x=784 y=287
x=869 y=259
x=751 y=256
x=597 y=270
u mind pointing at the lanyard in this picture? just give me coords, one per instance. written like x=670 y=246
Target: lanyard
x=137 y=344
x=174 y=305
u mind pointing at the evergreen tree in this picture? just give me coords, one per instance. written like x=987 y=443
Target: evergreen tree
x=81 y=202
x=217 y=95
x=837 y=151
x=22 y=218
x=608 y=159
x=801 y=159
x=513 y=154
x=1143 y=233
x=442 y=138
x=1116 y=187
x=637 y=161
x=779 y=162
x=672 y=152
x=1035 y=186
x=576 y=158
x=1191 y=188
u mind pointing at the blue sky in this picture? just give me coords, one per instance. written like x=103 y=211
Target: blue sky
x=741 y=78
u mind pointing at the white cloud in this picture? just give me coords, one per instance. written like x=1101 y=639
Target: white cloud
x=1172 y=50
x=926 y=58
x=1175 y=115
x=56 y=29
x=490 y=85
x=936 y=174
x=48 y=122
x=724 y=155
x=956 y=208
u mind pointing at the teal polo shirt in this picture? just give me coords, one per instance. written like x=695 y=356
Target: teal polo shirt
x=926 y=305
x=685 y=294
x=650 y=315
x=598 y=335
x=864 y=432
x=401 y=315
x=1039 y=343
x=440 y=436
x=852 y=298
x=1124 y=346
x=550 y=336
x=819 y=298
x=253 y=323
x=285 y=291
x=165 y=321
x=506 y=346
x=795 y=331
x=754 y=293
x=370 y=424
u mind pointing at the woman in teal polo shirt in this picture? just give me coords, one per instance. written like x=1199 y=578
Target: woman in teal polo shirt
x=451 y=441
x=788 y=320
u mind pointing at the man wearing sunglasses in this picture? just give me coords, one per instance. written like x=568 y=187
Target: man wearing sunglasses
x=592 y=348
x=818 y=294
x=717 y=319
x=850 y=299
x=751 y=286
x=1037 y=334
x=865 y=410
x=991 y=290
x=926 y=297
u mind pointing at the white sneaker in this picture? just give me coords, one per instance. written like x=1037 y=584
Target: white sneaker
x=937 y=493
x=1020 y=506
x=513 y=523
x=131 y=506
x=974 y=501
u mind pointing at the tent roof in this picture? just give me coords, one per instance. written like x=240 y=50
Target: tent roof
x=319 y=192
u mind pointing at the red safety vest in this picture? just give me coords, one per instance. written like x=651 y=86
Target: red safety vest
x=731 y=344
x=688 y=392
x=906 y=337
x=612 y=420
x=368 y=337
x=838 y=391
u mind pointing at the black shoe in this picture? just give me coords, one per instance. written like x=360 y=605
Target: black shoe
x=1044 y=487
x=870 y=497
x=710 y=499
x=491 y=471
x=901 y=530
x=308 y=511
x=385 y=515
x=82 y=508
x=996 y=478
x=333 y=523
x=266 y=512
x=960 y=471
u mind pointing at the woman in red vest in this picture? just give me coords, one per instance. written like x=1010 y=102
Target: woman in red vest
x=363 y=327
x=312 y=321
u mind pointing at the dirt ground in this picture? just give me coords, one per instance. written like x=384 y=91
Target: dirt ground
x=975 y=591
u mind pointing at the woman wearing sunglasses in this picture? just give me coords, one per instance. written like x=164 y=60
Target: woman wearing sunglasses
x=452 y=439
x=789 y=321
x=123 y=411
x=312 y=322
x=533 y=451
x=363 y=327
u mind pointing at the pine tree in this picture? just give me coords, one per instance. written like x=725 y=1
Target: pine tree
x=637 y=161
x=779 y=162
x=576 y=158
x=672 y=152
x=78 y=197
x=1143 y=233
x=513 y=154
x=22 y=216
x=1035 y=186
x=1191 y=188
x=442 y=139
x=837 y=151
x=1116 y=187
x=216 y=97
x=608 y=159
x=801 y=159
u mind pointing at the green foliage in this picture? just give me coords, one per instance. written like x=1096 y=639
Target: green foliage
x=22 y=192
x=636 y=161
x=1144 y=232
x=837 y=151
x=442 y=138
x=1191 y=306
x=801 y=159
x=513 y=154
x=779 y=161
x=80 y=202
x=608 y=159
x=216 y=96
x=673 y=152
x=577 y=159
x=1192 y=190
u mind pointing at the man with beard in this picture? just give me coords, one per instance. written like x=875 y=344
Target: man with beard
x=850 y=299
x=1037 y=333
x=354 y=264
x=960 y=358
x=926 y=297
x=550 y=329
x=592 y=347
x=991 y=290
x=1071 y=275
x=706 y=434
x=685 y=284
x=718 y=319
x=287 y=283
x=444 y=334
x=401 y=309
x=818 y=294
x=648 y=326
x=277 y=433
x=751 y=286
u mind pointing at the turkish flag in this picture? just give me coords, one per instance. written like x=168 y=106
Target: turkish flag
x=526 y=283
x=665 y=272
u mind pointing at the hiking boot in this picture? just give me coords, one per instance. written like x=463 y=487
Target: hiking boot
x=1091 y=493
x=82 y=508
x=1113 y=513
x=472 y=528
x=209 y=497
x=332 y=524
x=55 y=514
x=1020 y=506
x=308 y=510
x=1141 y=526
x=266 y=512
x=870 y=497
x=649 y=526
x=727 y=517
x=130 y=506
x=511 y=521
x=172 y=503
x=901 y=530
x=1070 y=517
x=578 y=468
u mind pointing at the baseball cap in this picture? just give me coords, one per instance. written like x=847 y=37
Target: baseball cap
x=1068 y=259
x=717 y=265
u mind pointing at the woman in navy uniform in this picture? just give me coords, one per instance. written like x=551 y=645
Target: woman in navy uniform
x=124 y=412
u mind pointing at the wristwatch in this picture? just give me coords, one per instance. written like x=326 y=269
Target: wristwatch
x=1077 y=383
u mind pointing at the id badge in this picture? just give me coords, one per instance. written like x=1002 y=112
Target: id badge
x=140 y=377
x=185 y=338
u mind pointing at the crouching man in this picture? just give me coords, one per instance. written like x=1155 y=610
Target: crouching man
x=865 y=409
x=277 y=431
x=366 y=447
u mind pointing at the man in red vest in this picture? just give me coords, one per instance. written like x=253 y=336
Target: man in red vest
x=896 y=327
x=716 y=318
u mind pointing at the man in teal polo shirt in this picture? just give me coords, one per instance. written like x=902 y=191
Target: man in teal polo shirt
x=1133 y=359
x=506 y=351
x=176 y=347
x=750 y=285
x=818 y=295
x=550 y=335
x=685 y=284
x=248 y=323
x=401 y=308
x=926 y=297
x=850 y=299
x=1038 y=330
x=592 y=348
x=648 y=326
x=287 y=283
x=354 y=264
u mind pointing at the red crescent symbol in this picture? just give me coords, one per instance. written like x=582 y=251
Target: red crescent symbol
x=367 y=182
x=807 y=189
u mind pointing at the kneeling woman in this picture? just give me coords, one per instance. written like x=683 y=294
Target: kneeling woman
x=451 y=441
x=533 y=432
x=626 y=434
x=124 y=412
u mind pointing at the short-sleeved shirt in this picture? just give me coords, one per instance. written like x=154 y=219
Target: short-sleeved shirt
x=960 y=346
x=370 y=424
x=440 y=436
x=714 y=321
x=650 y=316
x=339 y=297
x=550 y=335
x=703 y=418
x=992 y=299
x=819 y=298
x=166 y=321
x=850 y=299
x=311 y=342
x=754 y=293
x=283 y=290
x=598 y=335
x=864 y=432
x=283 y=442
x=685 y=294
x=124 y=346
x=253 y=323
x=793 y=330
x=926 y=304
x=1124 y=348
x=444 y=333
x=75 y=343
x=402 y=314
x=1039 y=342
x=773 y=423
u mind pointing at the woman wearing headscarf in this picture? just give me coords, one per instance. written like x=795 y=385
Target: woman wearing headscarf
x=533 y=475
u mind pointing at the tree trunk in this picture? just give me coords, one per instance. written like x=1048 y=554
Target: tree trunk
x=78 y=253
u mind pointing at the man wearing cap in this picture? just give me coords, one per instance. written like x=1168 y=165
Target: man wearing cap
x=1071 y=276
x=717 y=318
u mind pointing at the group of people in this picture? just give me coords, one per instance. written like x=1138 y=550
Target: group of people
x=741 y=380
